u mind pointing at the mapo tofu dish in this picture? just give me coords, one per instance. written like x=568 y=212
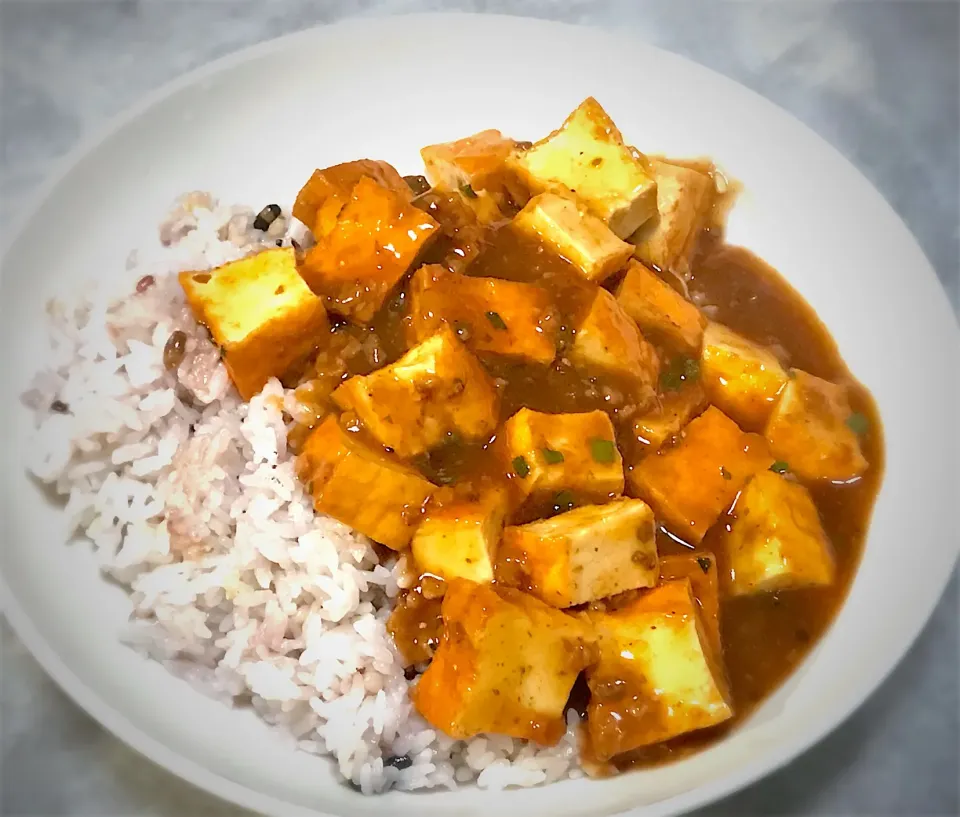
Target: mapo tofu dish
x=619 y=463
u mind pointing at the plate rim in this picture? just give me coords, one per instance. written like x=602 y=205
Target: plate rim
x=207 y=780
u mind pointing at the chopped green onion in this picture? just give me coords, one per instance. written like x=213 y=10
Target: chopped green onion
x=780 y=467
x=552 y=457
x=564 y=501
x=704 y=563
x=520 y=467
x=725 y=473
x=603 y=450
x=858 y=423
x=468 y=191
x=670 y=380
x=691 y=369
x=681 y=370
x=496 y=321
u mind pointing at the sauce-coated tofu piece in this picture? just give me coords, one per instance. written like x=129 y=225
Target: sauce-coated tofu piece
x=660 y=310
x=666 y=419
x=587 y=155
x=546 y=454
x=565 y=226
x=260 y=312
x=377 y=238
x=362 y=487
x=777 y=541
x=475 y=165
x=700 y=567
x=491 y=316
x=506 y=664
x=608 y=339
x=692 y=482
x=459 y=539
x=684 y=198
x=657 y=677
x=741 y=377
x=327 y=191
x=583 y=555
x=809 y=430
x=435 y=389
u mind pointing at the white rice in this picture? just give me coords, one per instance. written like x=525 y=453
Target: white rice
x=190 y=499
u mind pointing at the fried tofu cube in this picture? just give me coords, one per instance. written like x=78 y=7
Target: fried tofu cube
x=506 y=664
x=435 y=389
x=690 y=484
x=660 y=311
x=587 y=156
x=491 y=316
x=566 y=227
x=809 y=430
x=459 y=539
x=741 y=377
x=684 y=199
x=673 y=411
x=583 y=555
x=327 y=191
x=476 y=165
x=657 y=676
x=700 y=567
x=777 y=541
x=546 y=454
x=362 y=487
x=377 y=238
x=608 y=339
x=260 y=312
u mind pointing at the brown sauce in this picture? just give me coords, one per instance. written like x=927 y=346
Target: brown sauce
x=764 y=637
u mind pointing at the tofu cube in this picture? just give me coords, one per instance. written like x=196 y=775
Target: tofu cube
x=491 y=316
x=657 y=676
x=808 y=429
x=690 y=484
x=476 y=165
x=777 y=541
x=544 y=454
x=435 y=389
x=667 y=419
x=741 y=377
x=377 y=238
x=684 y=199
x=565 y=226
x=700 y=567
x=587 y=156
x=660 y=311
x=327 y=191
x=459 y=539
x=505 y=665
x=260 y=312
x=609 y=340
x=583 y=555
x=362 y=487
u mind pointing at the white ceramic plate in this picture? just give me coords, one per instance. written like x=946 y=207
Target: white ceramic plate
x=252 y=128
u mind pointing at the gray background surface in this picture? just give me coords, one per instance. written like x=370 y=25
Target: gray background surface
x=879 y=80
